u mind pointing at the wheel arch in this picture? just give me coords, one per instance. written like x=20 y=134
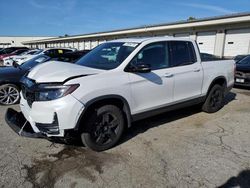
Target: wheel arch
x=12 y=83
x=221 y=80
x=117 y=100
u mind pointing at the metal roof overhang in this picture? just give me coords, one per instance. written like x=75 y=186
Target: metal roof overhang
x=237 y=18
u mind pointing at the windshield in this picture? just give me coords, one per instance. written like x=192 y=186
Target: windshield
x=245 y=61
x=35 y=61
x=108 y=55
x=6 y=51
x=36 y=52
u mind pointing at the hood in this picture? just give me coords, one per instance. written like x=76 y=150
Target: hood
x=23 y=56
x=9 y=72
x=8 y=57
x=243 y=67
x=55 y=71
x=4 y=55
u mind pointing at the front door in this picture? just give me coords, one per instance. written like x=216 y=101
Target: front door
x=154 y=89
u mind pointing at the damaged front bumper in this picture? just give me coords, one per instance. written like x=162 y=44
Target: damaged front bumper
x=20 y=125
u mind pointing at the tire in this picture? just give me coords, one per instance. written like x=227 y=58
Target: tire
x=215 y=99
x=103 y=128
x=9 y=94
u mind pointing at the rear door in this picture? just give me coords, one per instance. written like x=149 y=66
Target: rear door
x=186 y=70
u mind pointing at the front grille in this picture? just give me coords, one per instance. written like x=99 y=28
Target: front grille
x=28 y=95
x=242 y=74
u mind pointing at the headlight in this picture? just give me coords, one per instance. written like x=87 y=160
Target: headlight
x=52 y=92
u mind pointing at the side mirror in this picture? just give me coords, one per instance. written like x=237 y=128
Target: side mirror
x=143 y=68
x=15 y=64
x=140 y=68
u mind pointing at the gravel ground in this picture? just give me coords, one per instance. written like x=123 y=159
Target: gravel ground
x=184 y=148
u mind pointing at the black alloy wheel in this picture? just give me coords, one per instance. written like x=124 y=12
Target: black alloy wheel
x=214 y=100
x=104 y=128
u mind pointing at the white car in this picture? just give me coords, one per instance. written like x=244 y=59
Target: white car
x=8 y=61
x=98 y=97
x=23 y=58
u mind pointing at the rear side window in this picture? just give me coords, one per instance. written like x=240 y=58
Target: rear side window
x=182 y=53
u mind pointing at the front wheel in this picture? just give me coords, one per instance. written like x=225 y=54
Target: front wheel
x=104 y=128
x=214 y=100
x=9 y=94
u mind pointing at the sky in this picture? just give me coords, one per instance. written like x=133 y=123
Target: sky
x=72 y=17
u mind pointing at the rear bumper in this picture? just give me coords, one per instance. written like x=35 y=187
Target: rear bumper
x=20 y=125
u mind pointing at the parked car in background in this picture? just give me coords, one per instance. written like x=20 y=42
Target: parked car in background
x=242 y=74
x=239 y=57
x=16 y=52
x=8 y=61
x=73 y=56
x=10 y=50
x=7 y=51
x=10 y=76
x=47 y=51
x=98 y=96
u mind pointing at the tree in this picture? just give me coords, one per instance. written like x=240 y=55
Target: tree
x=191 y=18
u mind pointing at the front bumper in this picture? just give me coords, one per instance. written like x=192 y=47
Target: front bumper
x=20 y=125
x=246 y=81
x=45 y=119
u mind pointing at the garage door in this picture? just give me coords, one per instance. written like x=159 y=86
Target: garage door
x=206 y=41
x=237 y=42
x=87 y=45
x=81 y=45
x=75 y=45
x=94 y=44
x=182 y=35
x=71 y=45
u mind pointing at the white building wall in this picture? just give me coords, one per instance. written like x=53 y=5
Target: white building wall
x=81 y=45
x=94 y=44
x=226 y=36
x=6 y=41
x=182 y=35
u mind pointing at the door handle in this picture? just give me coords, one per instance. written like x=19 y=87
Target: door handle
x=197 y=69
x=168 y=75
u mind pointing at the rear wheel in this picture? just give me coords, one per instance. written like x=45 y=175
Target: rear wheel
x=214 y=100
x=104 y=128
x=9 y=94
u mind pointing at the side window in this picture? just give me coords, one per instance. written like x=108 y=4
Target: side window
x=155 y=55
x=66 y=51
x=50 y=52
x=182 y=53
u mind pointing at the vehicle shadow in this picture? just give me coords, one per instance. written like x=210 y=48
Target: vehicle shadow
x=242 y=180
x=144 y=125
x=229 y=98
x=242 y=87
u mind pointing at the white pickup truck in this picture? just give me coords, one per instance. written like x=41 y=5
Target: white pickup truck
x=115 y=84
